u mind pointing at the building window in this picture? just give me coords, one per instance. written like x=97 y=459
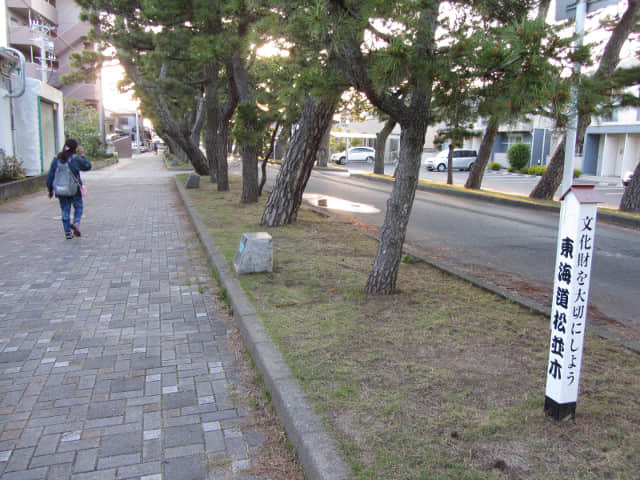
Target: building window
x=512 y=139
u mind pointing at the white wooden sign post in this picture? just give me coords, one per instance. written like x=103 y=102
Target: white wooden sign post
x=574 y=256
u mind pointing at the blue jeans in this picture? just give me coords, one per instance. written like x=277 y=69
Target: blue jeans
x=65 y=207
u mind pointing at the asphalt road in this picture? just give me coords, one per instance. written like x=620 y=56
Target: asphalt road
x=610 y=188
x=512 y=247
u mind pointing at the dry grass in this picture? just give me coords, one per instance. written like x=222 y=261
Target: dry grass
x=440 y=381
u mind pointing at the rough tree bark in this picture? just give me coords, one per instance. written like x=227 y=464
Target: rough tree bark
x=248 y=147
x=450 y=164
x=551 y=180
x=381 y=142
x=267 y=156
x=286 y=195
x=384 y=274
x=631 y=197
x=323 y=149
x=209 y=148
x=413 y=117
x=218 y=123
x=474 y=180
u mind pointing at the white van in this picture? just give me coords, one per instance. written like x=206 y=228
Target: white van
x=463 y=159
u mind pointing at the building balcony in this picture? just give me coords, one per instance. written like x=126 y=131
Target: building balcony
x=39 y=7
x=83 y=91
x=69 y=39
x=22 y=36
x=32 y=70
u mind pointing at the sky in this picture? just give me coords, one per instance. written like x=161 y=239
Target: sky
x=113 y=99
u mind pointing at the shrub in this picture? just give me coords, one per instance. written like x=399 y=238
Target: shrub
x=537 y=170
x=519 y=155
x=495 y=166
x=576 y=172
x=82 y=123
x=524 y=170
x=10 y=168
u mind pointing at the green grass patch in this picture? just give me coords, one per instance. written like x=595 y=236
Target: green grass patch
x=439 y=381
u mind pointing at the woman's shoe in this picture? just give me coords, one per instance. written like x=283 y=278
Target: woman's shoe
x=76 y=231
x=68 y=235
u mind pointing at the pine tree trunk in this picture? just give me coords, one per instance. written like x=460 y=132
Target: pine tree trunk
x=182 y=135
x=248 y=145
x=474 y=180
x=381 y=143
x=216 y=140
x=631 y=197
x=267 y=156
x=323 y=150
x=450 y=165
x=222 y=174
x=552 y=178
x=249 y=155
x=384 y=273
x=210 y=149
x=286 y=196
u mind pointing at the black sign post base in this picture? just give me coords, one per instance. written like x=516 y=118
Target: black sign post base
x=559 y=411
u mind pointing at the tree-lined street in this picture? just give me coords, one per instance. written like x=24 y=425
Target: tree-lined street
x=512 y=247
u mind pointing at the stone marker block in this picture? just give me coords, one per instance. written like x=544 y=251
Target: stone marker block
x=255 y=253
x=193 y=181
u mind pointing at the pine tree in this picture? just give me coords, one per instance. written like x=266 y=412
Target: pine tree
x=593 y=92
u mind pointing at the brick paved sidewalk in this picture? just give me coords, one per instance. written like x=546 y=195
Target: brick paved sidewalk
x=114 y=359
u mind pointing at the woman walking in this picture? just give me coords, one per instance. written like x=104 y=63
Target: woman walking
x=64 y=181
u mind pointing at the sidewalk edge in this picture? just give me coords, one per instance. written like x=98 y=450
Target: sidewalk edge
x=316 y=451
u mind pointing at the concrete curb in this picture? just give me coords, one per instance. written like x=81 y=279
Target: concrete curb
x=21 y=187
x=620 y=220
x=315 y=449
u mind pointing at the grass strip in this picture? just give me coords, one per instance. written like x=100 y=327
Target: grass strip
x=439 y=381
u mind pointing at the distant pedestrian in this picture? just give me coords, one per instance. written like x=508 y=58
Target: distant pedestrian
x=64 y=181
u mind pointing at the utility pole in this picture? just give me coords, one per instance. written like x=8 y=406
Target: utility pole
x=572 y=123
x=565 y=9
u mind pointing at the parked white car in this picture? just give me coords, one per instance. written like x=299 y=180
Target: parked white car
x=626 y=179
x=356 y=154
x=463 y=159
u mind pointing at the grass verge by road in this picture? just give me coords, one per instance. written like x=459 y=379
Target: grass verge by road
x=439 y=381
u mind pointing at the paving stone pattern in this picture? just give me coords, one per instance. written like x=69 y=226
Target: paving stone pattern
x=114 y=358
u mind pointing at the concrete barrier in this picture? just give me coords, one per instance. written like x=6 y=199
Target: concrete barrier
x=22 y=187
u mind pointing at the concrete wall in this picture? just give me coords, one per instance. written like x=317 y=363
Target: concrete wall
x=39 y=126
x=4 y=25
x=6 y=143
x=123 y=147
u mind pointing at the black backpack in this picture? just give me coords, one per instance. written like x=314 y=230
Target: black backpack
x=64 y=181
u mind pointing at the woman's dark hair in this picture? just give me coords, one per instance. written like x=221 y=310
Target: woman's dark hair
x=69 y=149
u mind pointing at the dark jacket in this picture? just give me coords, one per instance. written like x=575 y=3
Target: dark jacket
x=76 y=164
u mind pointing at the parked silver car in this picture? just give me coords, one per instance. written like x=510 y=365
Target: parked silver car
x=356 y=154
x=463 y=159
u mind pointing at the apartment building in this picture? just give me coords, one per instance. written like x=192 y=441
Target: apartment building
x=44 y=33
